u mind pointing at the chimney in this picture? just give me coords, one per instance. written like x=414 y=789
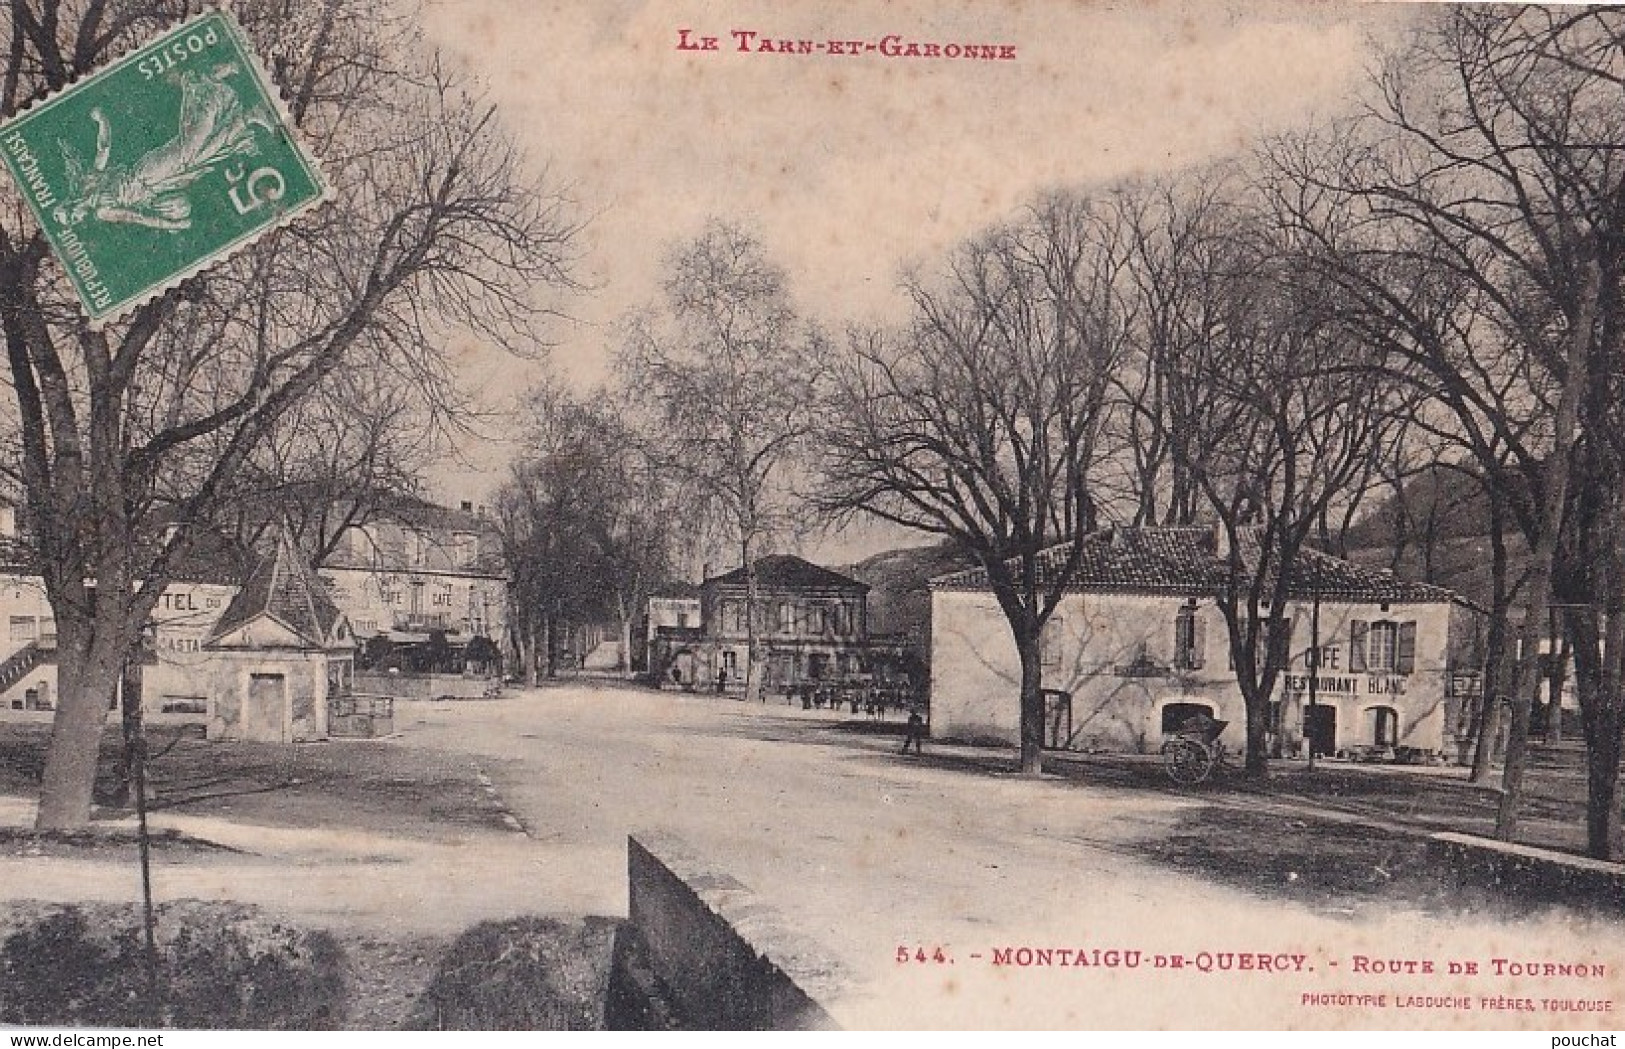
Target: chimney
x=705 y=571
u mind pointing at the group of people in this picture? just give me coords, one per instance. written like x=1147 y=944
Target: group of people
x=875 y=701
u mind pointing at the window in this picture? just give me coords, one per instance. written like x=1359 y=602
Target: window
x=817 y=620
x=730 y=662
x=1279 y=632
x=1381 y=640
x=1384 y=725
x=1051 y=644
x=787 y=617
x=1189 y=638
x=22 y=628
x=733 y=618
x=1382 y=647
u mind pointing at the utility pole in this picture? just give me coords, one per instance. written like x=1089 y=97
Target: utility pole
x=1314 y=675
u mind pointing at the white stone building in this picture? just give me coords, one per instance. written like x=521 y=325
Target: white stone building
x=1138 y=644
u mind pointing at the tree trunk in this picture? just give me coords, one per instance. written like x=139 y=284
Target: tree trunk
x=753 y=671
x=1258 y=727
x=1032 y=701
x=1487 y=718
x=527 y=653
x=1554 y=691
x=1554 y=498
x=87 y=675
x=1603 y=833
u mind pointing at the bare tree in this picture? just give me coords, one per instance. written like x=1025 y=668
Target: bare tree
x=1490 y=167
x=982 y=421
x=150 y=423
x=725 y=378
x=1177 y=232
x=543 y=513
x=591 y=526
x=1289 y=420
x=359 y=442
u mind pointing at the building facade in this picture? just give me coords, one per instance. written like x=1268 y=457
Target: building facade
x=414 y=569
x=1371 y=664
x=811 y=627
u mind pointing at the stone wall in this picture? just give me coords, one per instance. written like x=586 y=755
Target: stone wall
x=726 y=960
x=422 y=686
x=1529 y=873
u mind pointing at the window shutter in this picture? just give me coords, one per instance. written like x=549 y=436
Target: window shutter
x=1357 y=632
x=1280 y=643
x=1405 y=656
x=1198 y=640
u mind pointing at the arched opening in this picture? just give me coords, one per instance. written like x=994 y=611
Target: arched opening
x=1384 y=726
x=682 y=668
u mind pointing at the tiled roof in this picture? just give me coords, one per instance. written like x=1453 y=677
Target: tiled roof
x=284 y=588
x=1183 y=562
x=397 y=516
x=785 y=571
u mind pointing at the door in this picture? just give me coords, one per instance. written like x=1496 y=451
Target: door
x=1384 y=727
x=1058 y=718
x=263 y=713
x=1320 y=728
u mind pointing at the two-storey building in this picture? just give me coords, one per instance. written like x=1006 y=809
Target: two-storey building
x=1138 y=644
x=413 y=569
x=811 y=625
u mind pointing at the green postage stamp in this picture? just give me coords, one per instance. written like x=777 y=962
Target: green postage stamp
x=160 y=164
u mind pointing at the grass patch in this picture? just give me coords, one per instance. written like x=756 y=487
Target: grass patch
x=340 y=784
x=525 y=974
x=221 y=966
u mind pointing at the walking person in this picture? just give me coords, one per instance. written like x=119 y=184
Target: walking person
x=913 y=732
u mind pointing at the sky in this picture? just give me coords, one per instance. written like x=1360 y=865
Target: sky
x=852 y=167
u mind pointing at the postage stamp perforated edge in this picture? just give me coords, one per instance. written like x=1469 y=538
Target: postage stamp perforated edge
x=274 y=96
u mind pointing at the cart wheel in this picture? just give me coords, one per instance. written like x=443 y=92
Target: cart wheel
x=1187 y=762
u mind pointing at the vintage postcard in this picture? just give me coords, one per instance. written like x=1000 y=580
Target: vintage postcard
x=864 y=515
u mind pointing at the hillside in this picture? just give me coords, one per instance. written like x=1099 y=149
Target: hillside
x=1435 y=531
x=900 y=601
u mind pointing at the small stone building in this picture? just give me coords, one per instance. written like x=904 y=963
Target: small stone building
x=279 y=654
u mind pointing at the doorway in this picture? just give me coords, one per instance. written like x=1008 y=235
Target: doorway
x=263 y=713
x=1320 y=728
x=1384 y=727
